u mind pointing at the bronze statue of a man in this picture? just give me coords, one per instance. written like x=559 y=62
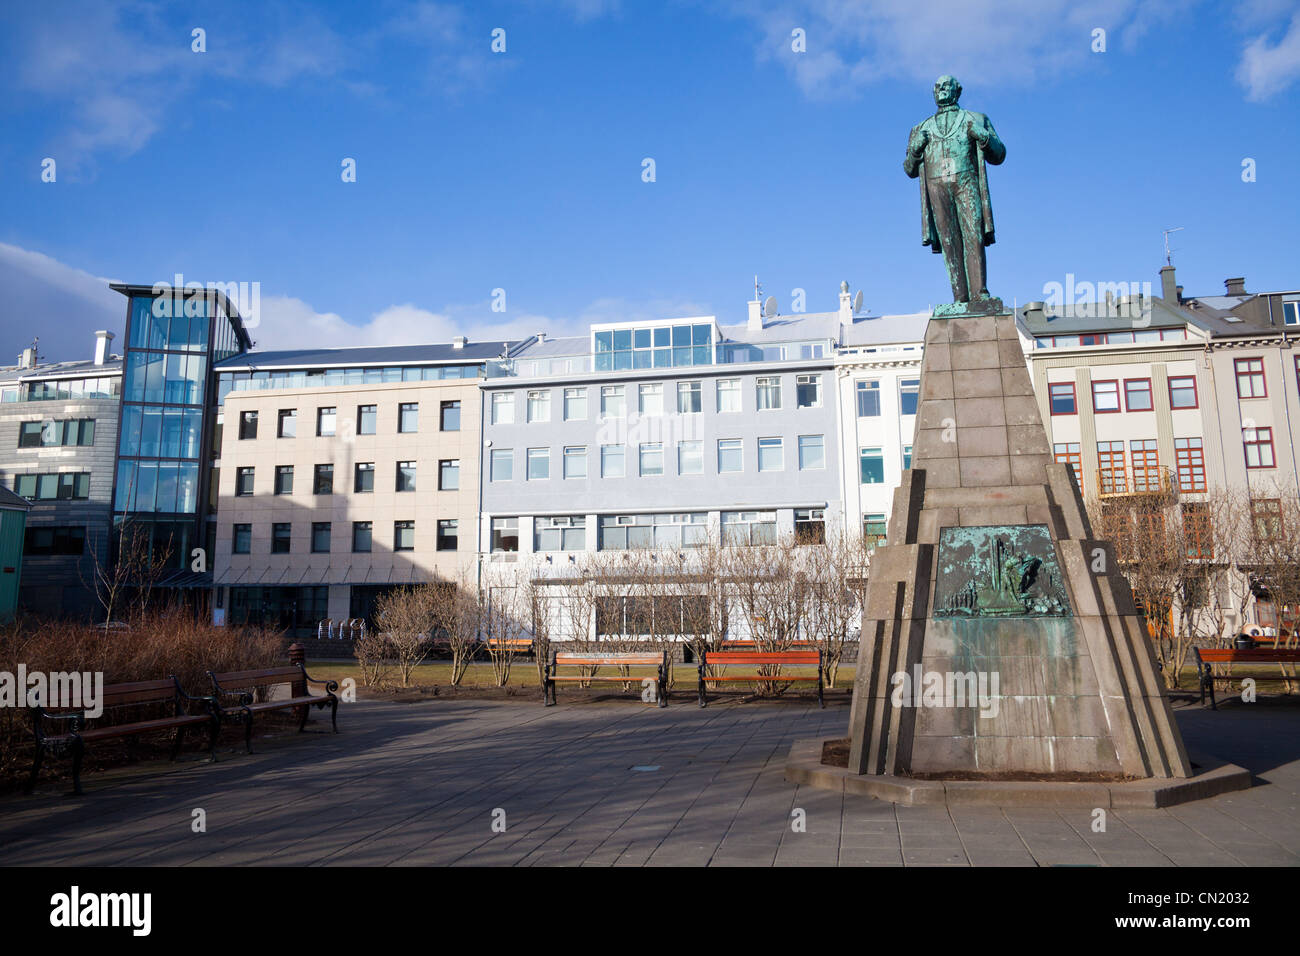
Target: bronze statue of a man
x=948 y=152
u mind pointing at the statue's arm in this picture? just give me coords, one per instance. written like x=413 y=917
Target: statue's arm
x=915 y=153
x=992 y=147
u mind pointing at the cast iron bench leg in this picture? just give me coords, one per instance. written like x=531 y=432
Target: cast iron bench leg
x=36 y=768
x=180 y=739
x=78 y=749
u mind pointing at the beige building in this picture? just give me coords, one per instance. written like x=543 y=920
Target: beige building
x=337 y=482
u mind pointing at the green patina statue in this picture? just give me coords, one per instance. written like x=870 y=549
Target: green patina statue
x=948 y=151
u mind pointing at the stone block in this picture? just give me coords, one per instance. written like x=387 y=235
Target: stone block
x=972 y=329
x=1028 y=440
x=980 y=441
x=985 y=471
x=974 y=355
x=971 y=383
x=977 y=516
x=928 y=444
x=936 y=385
x=937 y=413
x=942 y=473
x=1021 y=410
x=1015 y=381
x=1028 y=469
x=937 y=358
x=1010 y=354
x=979 y=412
x=932 y=520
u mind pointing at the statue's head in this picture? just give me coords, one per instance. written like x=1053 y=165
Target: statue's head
x=946 y=91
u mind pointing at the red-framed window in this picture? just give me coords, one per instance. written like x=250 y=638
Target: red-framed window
x=1266 y=520
x=1097 y=339
x=1061 y=399
x=1105 y=396
x=1259 y=447
x=1182 y=391
x=1068 y=453
x=1137 y=395
x=1110 y=467
x=1197 y=530
x=1189 y=454
x=1250 y=378
x=1146 y=464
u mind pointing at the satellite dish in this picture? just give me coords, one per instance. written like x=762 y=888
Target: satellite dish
x=769 y=307
x=857 y=302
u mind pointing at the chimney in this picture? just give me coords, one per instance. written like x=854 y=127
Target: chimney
x=1033 y=312
x=1236 y=286
x=102 y=338
x=541 y=337
x=459 y=342
x=755 y=323
x=846 y=304
x=1168 y=285
x=1179 y=290
x=27 y=359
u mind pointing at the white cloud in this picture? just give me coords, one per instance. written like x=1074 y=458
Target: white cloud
x=1268 y=68
x=61 y=304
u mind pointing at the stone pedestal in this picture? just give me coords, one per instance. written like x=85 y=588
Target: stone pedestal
x=1066 y=683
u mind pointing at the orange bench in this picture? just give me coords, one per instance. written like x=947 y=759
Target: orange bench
x=1207 y=657
x=761 y=661
x=563 y=659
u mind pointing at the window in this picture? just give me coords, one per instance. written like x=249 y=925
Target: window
x=403 y=535
x=539 y=464
x=1250 y=378
x=408 y=417
x=1137 y=394
x=771 y=454
x=1061 y=398
x=323 y=482
x=871 y=465
x=280 y=537
x=1069 y=453
x=1110 y=466
x=873 y=531
x=288 y=426
x=242 y=541
x=768 y=392
x=503 y=408
x=47 y=542
x=362 y=536
x=243 y=482
x=1259 y=447
x=690 y=398
x=326 y=420
x=728 y=395
x=247 y=425
x=1146 y=465
x=367 y=419
x=808 y=391
x=1190 y=457
x=907 y=457
x=667 y=531
x=405 y=476
x=76 y=431
x=539 y=405
x=364 y=479
x=650 y=399
x=743 y=528
x=909 y=391
x=505 y=534
x=1105 y=397
x=1291 y=313
x=448 y=534
x=449 y=420
x=655 y=347
x=731 y=455
x=575 y=404
x=565 y=533
x=652 y=459
x=868 y=399
x=1266 y=520
x=611 y=461
x=575 y=461
x=1182 y=391
x=449 y=474
x=284 y=479
x=502 y=465
x=63 y=486
x=1197 y=530
x=690 y=458
x=812 y=452
x=612 y=404
x=809 y=526
x=320 y=537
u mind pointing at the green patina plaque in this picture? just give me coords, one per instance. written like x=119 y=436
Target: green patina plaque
x=999 y=571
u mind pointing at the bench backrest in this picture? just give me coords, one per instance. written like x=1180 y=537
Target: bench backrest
x=753 y=645
x=1229 y=655
x=140 y=692
x=509 y=642
x=234 y=680
x=560 y=659
x=759 y=658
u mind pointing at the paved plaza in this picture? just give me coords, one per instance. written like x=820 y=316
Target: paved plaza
x=616 y=782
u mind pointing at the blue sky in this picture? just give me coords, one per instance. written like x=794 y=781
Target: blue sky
x=522 y=170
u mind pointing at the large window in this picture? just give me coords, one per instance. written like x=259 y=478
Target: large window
x=742 y=528
x=575 y=404
x=690 y=458
x=281 y=537
x=1266 y=520
x=54 y=542
x=1068 y=453
x=612 y=463
x=503 y=408
x=871 y=466
x=367 y=419
x=661 y=347
x=243 y=482
x=767 y=391
x=690 y=398
x=868 y=399
x=652 y=459
x=364 y=480
x=247 y=425
x=1110 y=466
x=1182 y=391
x=408 y=417
x=403 y=535
x=671 y=531
x=502 y=464
x=808 y=391
x=728 y=395
x=539 y=405
x=1137 y=395
x=362 y=536
x=909 y=391
x=288 y=423
x=1258 y=443
x=810 y=526
x=405 y=476
x=1105 y=397
x=76 y=431
x=539 y=464
x=65 y=486
x=771 y=454
x=326 y=421
x=450 y=416
x=449 y=474
x=448 y=534
x=613 y=404
x=650 y=399
x=812 y=452
x=1197 y=530
x=575 y=461
x=241 y=539
x=1061 y=398
x=1190 y=457
x=1250 y=378
x=320 y=537
x=873 y=530
x=284 y=479
x=323 y=481
x=731 y=455
x=505 y=534
x=563 y=533
x=1146 y=464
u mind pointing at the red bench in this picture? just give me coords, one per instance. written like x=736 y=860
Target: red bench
x=1207 y=657
x=765 y=664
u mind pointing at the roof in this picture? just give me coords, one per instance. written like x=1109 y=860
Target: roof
x=786 y=328
x=78 y=369
x=886 y=330
x=446 y=354
x=12 y=502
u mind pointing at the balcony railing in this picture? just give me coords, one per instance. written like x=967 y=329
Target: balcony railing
x=1148 y=480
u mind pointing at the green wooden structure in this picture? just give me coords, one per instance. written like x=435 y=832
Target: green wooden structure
x=13 y=528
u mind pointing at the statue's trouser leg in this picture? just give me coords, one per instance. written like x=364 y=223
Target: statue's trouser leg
x=947 y=224
x=967 y=196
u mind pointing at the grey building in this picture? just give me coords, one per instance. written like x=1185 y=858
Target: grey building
x=58 y=435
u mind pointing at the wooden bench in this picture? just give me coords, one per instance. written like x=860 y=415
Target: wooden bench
x=241 y=684
x=750 y=645
x=1207 y=657
x=165 y=694
x=517 y=645
x=562 y=659
x=761 y=661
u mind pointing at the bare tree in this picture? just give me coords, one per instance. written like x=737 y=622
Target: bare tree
x=407 y=618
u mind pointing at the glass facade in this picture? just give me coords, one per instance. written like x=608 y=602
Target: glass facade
x=248 y=380
x=664 y=346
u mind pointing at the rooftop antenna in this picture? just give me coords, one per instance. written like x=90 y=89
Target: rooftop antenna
x=1169 y=255
x=769 y=307
x=857 y=302
x=758 y=290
